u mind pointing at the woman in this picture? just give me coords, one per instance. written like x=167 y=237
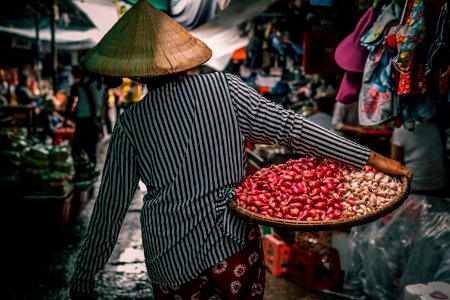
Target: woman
x=24 y=95
x=422 y=151
x=88 y=93
x=345 y=121
x=184 y=140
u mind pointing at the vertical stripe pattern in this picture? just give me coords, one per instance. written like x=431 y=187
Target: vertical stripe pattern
x=185 y=141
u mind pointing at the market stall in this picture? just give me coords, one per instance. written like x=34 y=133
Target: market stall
x=43 y=185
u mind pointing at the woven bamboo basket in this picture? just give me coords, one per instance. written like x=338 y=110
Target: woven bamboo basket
x=325 y=225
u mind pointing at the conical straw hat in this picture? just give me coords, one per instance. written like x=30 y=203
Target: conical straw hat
x=145 y=42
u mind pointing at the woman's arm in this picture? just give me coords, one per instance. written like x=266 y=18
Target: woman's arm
x=397 y=153
x=119 y=182
x=387 y=165
x=262 y=121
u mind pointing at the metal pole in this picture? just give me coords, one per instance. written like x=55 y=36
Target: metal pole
x=54 y=52
x=38 y=49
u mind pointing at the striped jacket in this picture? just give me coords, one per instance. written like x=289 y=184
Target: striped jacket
x=185 y=141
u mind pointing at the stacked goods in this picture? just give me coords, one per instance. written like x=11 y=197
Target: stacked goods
x=11 y=168
x=84 y=169
x=60 y=166
x=13 y=151
x=314 y=189
x=37 y=162
x=13 y=147
x=47 y=168
x=33 y=167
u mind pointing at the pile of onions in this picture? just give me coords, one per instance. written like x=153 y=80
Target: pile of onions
x=316 y=189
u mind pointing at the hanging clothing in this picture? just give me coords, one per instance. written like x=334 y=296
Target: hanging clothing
x=412 y=77
x=389 y=15
x=440 y=49
x=378 y=101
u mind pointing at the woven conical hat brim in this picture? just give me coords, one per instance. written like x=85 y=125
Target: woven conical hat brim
x=145 y=42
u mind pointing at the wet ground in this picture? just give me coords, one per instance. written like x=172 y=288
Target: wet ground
x=39 y=263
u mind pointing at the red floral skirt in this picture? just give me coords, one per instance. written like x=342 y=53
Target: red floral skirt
x=241 y=276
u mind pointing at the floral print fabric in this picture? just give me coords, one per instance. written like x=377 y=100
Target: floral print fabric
x=241 y=276
x=408 y=37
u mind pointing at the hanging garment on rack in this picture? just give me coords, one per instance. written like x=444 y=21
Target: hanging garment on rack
x=440 y=82
x=413 y=82
x=378 y=101
x=410 y=34
x=440 y=49
x=389 y=15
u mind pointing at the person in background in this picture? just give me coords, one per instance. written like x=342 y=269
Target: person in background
x=345 y=121
x=185 y=141
x=278 y=93
x=422 y=151
x=5 y=88
x=325 y=88
x=321 y=114
x=117 y=93
x=88 y=91
x=106 y=120
x=306 y=91
x=23 y=91
x=131 y=91
x=48 y=119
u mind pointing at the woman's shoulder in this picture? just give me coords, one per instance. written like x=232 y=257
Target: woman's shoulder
x=213 y=75
x=214 y=79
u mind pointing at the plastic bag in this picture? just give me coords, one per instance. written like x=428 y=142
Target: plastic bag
x=409 y=246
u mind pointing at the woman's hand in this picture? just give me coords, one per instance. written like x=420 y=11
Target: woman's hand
x=388 y=165
x=83 y=295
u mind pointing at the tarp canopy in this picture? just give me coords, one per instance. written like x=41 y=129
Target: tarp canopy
x=22 y=14
x=222 y=34
x=98 y=17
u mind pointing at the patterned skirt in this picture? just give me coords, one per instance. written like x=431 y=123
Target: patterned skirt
x=240 y=276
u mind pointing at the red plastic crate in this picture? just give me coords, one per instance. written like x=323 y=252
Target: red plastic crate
x=63 y=133
x=314 y=272
x=80 y=199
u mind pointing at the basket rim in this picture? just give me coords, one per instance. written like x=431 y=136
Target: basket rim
x=325 y=225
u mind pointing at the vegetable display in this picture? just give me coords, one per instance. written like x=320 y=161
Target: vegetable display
x=316 y=189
